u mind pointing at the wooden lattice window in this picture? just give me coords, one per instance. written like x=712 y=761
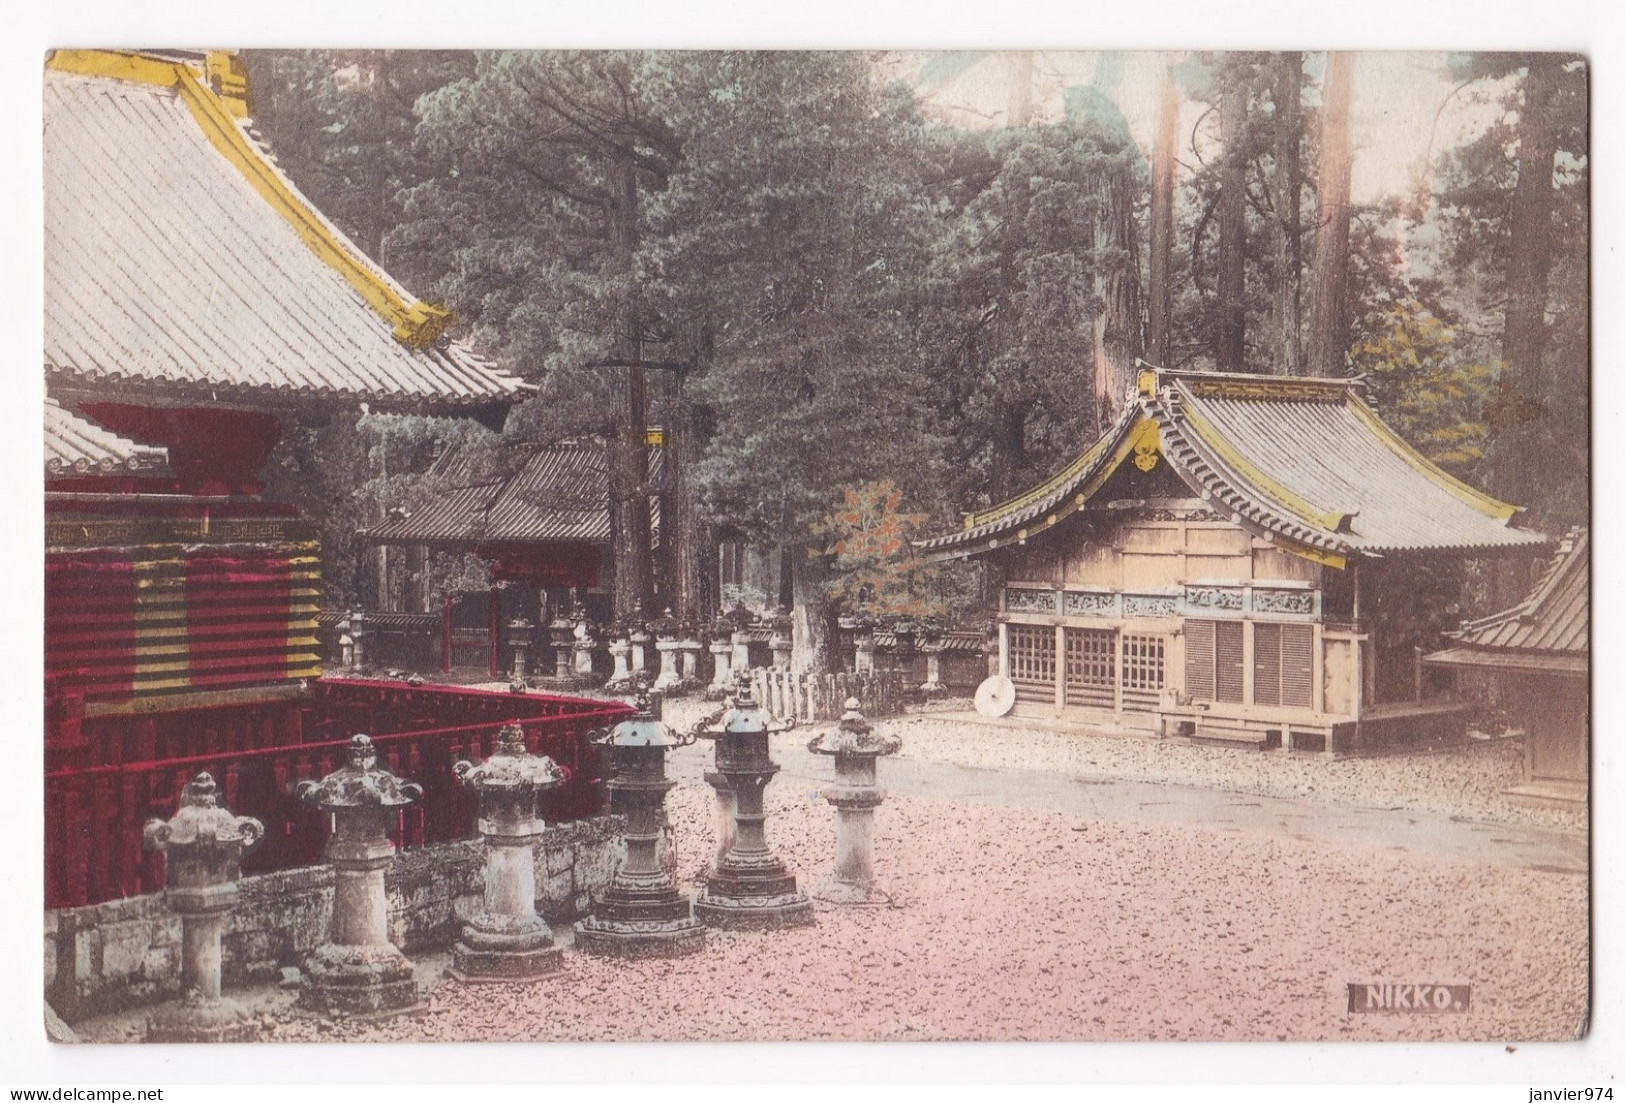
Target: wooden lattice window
x=1143 y=673
x=1091 y=667
x=1284 y=665
x=1215 y=662
x=1032 y=660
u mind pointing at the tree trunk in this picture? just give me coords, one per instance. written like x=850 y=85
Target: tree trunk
x=629 y=465
x=1288 y=188
x=1529 y=257
x=813 y=616
x=1009 y=449
x=1162 y=223
x=691 y=548
x=1117 y=334
x=1328 y=336
x=1230 y=350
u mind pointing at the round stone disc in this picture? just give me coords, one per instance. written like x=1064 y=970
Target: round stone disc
x=995 y=697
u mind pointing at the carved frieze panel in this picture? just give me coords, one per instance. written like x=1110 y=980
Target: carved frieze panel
x=1150 y=605
x=1029 y=601
x=1088 y=604
x=1213 y=597
x=1283 y=601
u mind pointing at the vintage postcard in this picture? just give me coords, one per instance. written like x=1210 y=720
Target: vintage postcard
x=783 y=546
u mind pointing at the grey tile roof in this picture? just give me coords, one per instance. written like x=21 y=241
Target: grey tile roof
x=1302 y=459
x=167 y=272
x=1556 y=616
x=549 y=494
x=75 y=446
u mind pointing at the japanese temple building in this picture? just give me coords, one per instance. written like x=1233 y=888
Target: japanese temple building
x=1539 y=653
x=538 y=514
x=1239 y=558
x=194 y=301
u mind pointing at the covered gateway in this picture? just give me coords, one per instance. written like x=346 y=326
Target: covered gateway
x=1240 y=557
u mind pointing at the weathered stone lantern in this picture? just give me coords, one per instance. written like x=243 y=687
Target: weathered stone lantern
x=750 y=886
x=520 y=638
x=507 y=940
x=933 y=643
x=721 y=648
x=667 y=646
x=620 y=650
x=689 y=649
x=639 y=637
x=585 y=645
x=782 y=641
x=203 y=845
x=642 y=913
x=855 y=745
x=357 y=970
x=359 y=641
x=561 y=638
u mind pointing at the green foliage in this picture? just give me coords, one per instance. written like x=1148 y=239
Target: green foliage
x=875 y=568
x=1425 y=388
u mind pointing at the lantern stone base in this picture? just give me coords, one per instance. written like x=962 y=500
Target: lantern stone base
x=851 y=893
x=198 y=1020
x=373 y=981
x=493 y=950
x=642 y=920
x=746 y=894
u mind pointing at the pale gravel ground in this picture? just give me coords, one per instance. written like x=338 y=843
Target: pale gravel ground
x=1466 y=781
x=1015 y=924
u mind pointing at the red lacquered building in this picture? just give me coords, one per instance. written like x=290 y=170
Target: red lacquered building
x=195 y=299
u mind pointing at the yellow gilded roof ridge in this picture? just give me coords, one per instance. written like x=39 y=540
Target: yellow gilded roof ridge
x=417 y=324
x=1072 y=470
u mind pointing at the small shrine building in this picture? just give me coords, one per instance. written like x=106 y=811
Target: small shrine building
x=1539 y=654
x=1240 y=558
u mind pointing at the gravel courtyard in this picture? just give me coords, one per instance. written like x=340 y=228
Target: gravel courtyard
x=1021 y=924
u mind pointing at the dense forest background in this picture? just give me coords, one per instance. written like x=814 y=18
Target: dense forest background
x=859 y=315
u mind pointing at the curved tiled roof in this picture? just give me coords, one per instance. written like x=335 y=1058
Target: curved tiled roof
x=180 y=262
x=554 y=494
x=74 y=446
x=1302 y=460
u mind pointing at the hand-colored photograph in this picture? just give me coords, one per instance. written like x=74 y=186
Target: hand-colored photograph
x=784 y=546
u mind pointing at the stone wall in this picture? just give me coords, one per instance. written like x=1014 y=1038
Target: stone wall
x=126 y=953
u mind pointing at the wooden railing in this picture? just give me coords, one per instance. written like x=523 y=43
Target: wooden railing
x=94 y=814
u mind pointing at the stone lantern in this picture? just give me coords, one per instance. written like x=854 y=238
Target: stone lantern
x=666 y=646
x=750 y=886
x=933 y=643
x=358 y=641
x=520 y=638
x=689 y=649
x=782 y=641
x=585 y=645
x=357 y=970
x=855 y=745
x=202 y=844
x=561 y=637
x=863 y=646
x=507 y=940
x=620 y=650
x=638 y=636
x=642 y=913
x=721 y=648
